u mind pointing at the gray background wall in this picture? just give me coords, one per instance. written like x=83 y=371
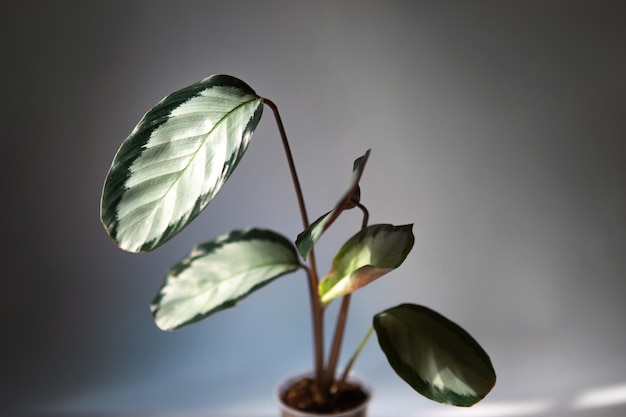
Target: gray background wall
x=498 y=128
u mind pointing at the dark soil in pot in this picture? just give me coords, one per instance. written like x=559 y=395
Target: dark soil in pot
x=300 y=396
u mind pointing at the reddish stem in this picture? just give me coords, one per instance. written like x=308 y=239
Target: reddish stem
x=316 y=306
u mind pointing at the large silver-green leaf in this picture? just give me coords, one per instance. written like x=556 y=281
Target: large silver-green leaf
x=366 y=256
x=176 y=160
x=218 y=274
x=435 y=356
x=307 y=238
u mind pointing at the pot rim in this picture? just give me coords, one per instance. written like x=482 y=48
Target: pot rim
x=352 y=377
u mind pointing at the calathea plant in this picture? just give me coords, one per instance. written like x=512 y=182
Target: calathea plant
x=173 y=164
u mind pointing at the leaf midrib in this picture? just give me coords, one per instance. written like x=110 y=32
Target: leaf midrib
x=264 y=265
x=158 y=201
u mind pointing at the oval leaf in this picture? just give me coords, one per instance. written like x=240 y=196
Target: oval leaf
x=217 y=274
x=307 y=238
x=176 y=160
x=433 y=355
x=366 y=256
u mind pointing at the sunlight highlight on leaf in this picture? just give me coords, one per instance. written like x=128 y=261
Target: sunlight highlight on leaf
x=433 y=355
x=218 y=274
x=365 y=257
x=176 y=160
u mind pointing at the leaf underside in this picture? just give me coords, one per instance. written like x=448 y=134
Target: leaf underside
x=433 y=355
x=218 y=274
x=176 y=160
x=306 y=240
x=365 y=257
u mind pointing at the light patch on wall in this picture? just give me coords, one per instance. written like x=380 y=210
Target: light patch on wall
x=601 y=397
x=502 y=409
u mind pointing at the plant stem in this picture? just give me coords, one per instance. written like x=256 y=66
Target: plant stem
x=342 y=318
x=346 y=371
x=337 y=340
x=316 y=306
x=366 y=215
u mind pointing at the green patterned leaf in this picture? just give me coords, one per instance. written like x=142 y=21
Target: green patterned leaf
x=365 y=257
x=218 y=274
x=435 y=356
x=176 y=160
x=307 y=238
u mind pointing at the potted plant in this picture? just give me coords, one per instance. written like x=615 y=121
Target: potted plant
x=174 y=163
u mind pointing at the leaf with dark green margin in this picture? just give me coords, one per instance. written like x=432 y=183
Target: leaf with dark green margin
x=218 y=274
x=307 y=238
x=365 y=257
x=435 y=356
x=176 y=160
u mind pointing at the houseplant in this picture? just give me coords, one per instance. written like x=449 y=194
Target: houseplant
x=174 y=163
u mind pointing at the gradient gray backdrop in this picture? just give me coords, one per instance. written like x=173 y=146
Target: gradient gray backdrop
x=498 y=128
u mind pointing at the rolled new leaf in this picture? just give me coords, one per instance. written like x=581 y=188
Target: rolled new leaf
x=176 y=160
x=435 y=356
x=218 y=274
x=308 y=237
x=365 y=257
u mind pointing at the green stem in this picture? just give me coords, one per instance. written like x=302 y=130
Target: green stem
x=346 y=371
x=316 y=306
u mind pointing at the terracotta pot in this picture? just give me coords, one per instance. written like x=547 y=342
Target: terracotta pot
x=287 y=411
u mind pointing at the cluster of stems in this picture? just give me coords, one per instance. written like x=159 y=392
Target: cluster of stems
x=324 y=371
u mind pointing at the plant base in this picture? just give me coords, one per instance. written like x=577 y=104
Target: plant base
x=297 y=399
